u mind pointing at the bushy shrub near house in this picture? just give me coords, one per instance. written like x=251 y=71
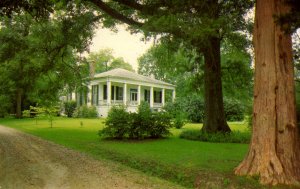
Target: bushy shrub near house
x=70 y=107
x=85 y=112
x=121 y=124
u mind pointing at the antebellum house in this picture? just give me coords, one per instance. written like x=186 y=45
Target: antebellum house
x=122 y=87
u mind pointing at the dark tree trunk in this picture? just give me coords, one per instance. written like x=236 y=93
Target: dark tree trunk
x=214 y=120
x=274 y=150
x=19 y=103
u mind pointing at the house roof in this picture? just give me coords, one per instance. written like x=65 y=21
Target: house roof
x=122 y=73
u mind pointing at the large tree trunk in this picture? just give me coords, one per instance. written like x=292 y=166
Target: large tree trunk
x=274 y=148
x=214 y=120
x=19 y=103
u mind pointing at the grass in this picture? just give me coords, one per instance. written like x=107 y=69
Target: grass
x=189 y=163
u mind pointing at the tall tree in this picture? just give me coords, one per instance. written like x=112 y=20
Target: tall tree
x=202 y=24
x=182 y=66
x=274 y=152
x=39 y=54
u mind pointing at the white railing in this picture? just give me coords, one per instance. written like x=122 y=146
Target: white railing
x=132 y=103
x=118 y=102
x=157 y=105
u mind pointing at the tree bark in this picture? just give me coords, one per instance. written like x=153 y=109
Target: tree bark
x=19 y=103
x=214 y=120
x=274 y=148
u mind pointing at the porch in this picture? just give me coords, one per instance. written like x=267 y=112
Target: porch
x=112 y=93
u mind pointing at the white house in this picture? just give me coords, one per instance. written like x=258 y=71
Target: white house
x=127 y=88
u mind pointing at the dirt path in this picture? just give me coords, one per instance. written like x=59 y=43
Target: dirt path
x=29 y=162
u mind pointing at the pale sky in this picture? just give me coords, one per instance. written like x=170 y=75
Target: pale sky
x=126 y=45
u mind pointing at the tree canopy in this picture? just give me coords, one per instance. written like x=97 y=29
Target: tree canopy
x=104 y=60
x=39 y=57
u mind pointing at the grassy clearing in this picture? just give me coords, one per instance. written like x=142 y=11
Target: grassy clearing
x=189 y=163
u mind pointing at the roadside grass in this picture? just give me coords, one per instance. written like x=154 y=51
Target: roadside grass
x=189 y=163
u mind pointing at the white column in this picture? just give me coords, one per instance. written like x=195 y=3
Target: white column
x=73 y=96
x=173 y=95
x=139 y=94
x=108 y=92
x=125 y=94
x=151 y=97
x=89 y=96
x=115 y=93
x=163 y=97
x=99 y=92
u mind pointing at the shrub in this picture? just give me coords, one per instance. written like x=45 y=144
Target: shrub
x=234 y=110
x=232 y=137
x=179 y=121
x=194 y=106
x=161 y=125
x=70 y=107
x=121 y=124
x=117 y=123
x=85 y=112
x=176 y=111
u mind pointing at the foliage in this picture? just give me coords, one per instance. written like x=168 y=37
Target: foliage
x=194 y=106
x=48 y=112
x=234 y=110
x=176 y=111
x=39 y=57
x=85 y=112
x=161 y=125
x=104 y=60
x=183 y=67
x=232 y=137
x=70 y=107
x=121 y=124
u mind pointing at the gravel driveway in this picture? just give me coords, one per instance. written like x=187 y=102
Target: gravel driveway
x=27 y=161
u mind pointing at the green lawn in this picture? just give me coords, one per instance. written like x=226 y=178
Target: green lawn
x=176 y=159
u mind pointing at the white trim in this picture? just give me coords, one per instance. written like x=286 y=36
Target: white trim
x=139 y=94
x=163 y=96
x=125 y=94
x=151 y=97
x=132 y=82
x=108 y=91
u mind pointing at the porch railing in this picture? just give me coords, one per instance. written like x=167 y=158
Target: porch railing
x=129 y=103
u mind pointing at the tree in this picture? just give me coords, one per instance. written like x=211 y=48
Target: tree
x=274 y=149
x=181 y=66
x=104 y=60
x=173 y=63
x=38 y=55
x=202 y=24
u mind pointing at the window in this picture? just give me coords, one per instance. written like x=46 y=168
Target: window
x=133 y=94
x=119 y=93
x=113 y=92
x=157 y=96
x=147 y=95
x=95 y=95
x=81 y=98
x=104 y=92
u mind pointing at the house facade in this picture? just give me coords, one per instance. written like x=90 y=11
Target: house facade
x=122 y=87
